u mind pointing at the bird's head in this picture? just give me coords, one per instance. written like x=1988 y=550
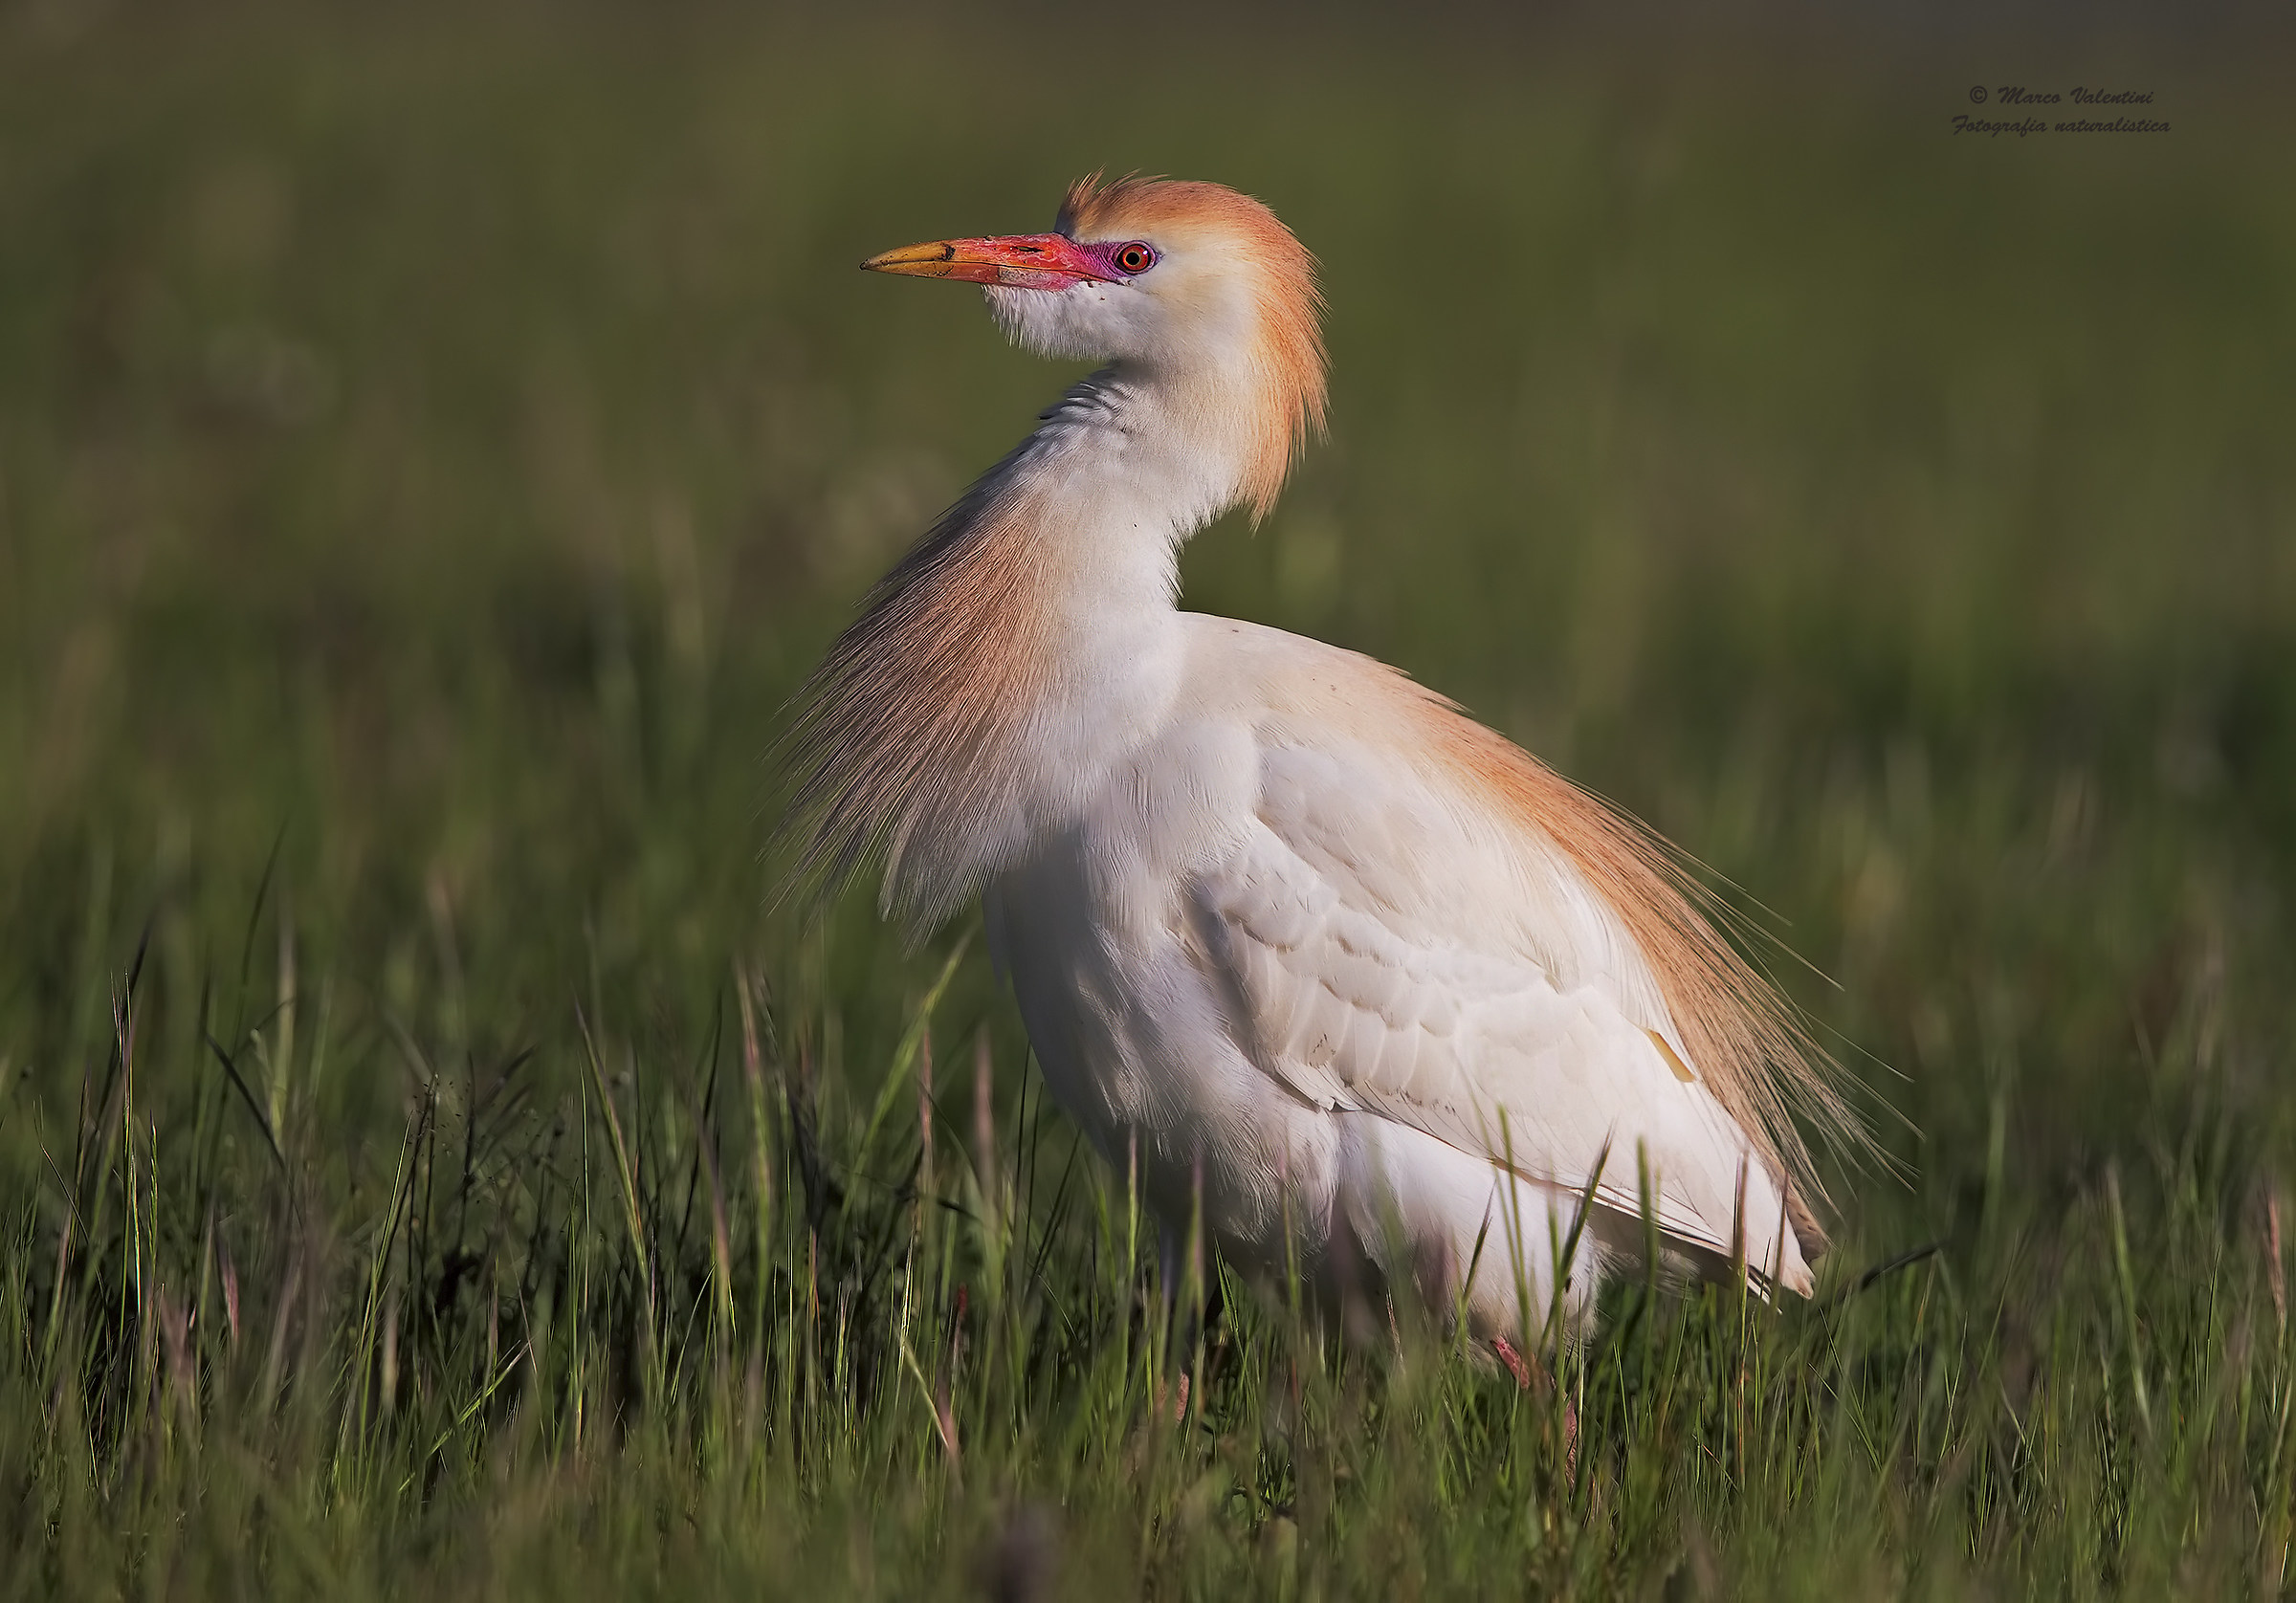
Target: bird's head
x=1191 y=285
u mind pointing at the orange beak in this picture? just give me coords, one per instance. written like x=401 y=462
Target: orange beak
x=1028 y=261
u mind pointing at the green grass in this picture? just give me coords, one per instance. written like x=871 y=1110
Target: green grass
x=430 y=452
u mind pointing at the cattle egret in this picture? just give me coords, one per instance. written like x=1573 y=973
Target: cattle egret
x=1370 y=992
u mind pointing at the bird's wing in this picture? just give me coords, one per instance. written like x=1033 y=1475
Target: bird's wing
x=1383 y=943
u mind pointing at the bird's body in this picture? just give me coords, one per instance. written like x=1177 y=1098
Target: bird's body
x=1359 y=979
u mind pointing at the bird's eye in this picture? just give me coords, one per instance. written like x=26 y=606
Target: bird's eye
x=1134 y=258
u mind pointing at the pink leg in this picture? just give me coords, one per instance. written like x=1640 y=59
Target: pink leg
x=1525 y=1371
x=1516 y=1364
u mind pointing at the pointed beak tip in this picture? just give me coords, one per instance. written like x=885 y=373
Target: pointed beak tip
x=933 y=259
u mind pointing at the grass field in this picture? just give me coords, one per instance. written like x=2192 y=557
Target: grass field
x=431 y=450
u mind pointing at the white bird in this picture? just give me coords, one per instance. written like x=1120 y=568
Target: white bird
x=1368 y=985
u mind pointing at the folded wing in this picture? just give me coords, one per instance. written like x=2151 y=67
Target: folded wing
x=1389 y=941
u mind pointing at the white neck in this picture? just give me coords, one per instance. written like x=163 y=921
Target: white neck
x=1027 y=645
x=1102 y=497
x=1168 y=445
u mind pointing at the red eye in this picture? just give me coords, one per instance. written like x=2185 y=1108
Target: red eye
x=1134 y=259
